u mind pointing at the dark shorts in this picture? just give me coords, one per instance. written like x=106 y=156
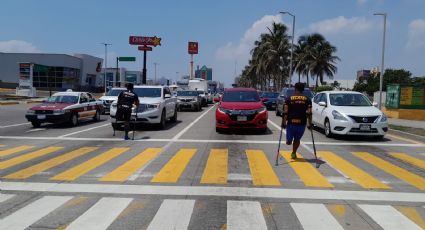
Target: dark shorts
x=123 y=114
x=294 y=132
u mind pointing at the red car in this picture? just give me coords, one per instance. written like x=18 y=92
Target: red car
x=241 y=108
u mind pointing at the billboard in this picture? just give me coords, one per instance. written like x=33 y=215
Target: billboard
x=192 y=48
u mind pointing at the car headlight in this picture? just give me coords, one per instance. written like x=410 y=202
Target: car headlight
x=384 y=118
x=60 y=111
x=30 y=111
x=178 y=100
x=338 y=116
x=223 y=110
x=114 y=105
x=261 y=110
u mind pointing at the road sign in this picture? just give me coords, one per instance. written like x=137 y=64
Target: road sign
x=144 y=48
x=147 y=41
x=193 y=47
x=126 y=58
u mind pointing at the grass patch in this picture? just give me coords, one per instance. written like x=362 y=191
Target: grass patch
x=417 y=131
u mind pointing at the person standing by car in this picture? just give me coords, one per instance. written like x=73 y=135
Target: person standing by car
x=126 y=100
x=296 y=114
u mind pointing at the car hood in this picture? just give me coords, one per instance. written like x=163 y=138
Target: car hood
x=358 y=110
x=186 y=97
x=241 y=105
x=108 y=98
x=150 y=100
x=271 y=99
x=51 y=106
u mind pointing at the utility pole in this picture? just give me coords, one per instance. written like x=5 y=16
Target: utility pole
x=381 y=75
x=155 y=72
x=106 y=61
x=292 y=46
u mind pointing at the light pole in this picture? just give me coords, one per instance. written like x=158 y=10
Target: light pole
x=155 y=72
x=106 y=60
x=292 y=46
x=177 y=76
x=381 y=76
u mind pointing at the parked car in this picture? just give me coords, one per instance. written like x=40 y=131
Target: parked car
x=348 y=113
x=111 y=96
x=156 y=106
x=189 y=99
x=65 y=107
x=241 y=108
x=269 y=99
x=210 y=98
x=287 y=92
x=203 y=95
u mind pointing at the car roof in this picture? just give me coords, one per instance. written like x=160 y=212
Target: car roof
x=68 y=93
x=240 y=89
x=341 y=92
x=118 y=88
x=149 y=86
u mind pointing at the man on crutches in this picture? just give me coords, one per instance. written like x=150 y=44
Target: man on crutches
x=296 y=115
x=126 y=99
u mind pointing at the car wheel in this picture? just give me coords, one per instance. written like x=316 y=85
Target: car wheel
x=74 y=119
x=199 y=107
x=328 y=131
x=163 y=120
x=35 y=124
x=218 y=130
x=379 y=138
x=174 y=118
x=97 y=116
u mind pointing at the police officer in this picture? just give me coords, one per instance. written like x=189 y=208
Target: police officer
x=296 y=115
x=126 y=100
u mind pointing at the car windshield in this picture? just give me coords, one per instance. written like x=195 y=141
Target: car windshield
x=187 y=93
x=114 y=92
x=241 y=96
x=148 y=92
x=341 y=99
x=270 y=95
x=62 y=99
x=201 y=92
x=306 y=93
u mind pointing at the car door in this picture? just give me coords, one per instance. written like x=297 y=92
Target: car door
x=83 y=106
x=169 y=104
x=92 y=106
x=315 y=108
x=322 y=110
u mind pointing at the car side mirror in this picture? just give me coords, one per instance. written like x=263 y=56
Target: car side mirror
x=264 y=99
x=375 y=104
x=167 y=95
x=322 y=103
x=216 y=99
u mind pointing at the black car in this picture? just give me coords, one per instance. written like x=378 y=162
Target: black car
x=269 y=99
x=287 y=92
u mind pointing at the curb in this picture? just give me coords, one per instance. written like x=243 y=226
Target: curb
x=9 y=102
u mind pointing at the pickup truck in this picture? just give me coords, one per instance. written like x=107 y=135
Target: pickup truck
x=157 y=105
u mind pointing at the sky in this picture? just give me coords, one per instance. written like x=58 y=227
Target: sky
x=225 y=29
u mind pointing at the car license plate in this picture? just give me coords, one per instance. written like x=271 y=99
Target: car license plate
x=365 y=127
x=41 y=117
x=242 y=118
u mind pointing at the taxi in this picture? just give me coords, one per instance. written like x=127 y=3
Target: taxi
x=65 y=107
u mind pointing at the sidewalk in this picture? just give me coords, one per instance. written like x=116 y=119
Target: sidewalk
x=407 y=123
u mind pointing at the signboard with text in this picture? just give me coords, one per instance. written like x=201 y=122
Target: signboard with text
x=144 y=48
x=127 y=59
x=145 y=41
x=405 y=97
x=192 y=48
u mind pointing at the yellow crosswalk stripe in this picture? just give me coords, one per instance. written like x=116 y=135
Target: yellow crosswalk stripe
x=27 y=157
x=356 y=174
x=413 y=215
x=392 y=169
x=171 y=172
x=123 y=172
x=409 y=159
x=45 y=165
x=261 y=170
x=308 y=174
x=215 y=171
x=10 y=151
x=81 y=169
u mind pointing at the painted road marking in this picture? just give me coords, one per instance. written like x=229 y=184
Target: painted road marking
x=315 y=217
x=309 y=175
x=413 y=215
x=409 y=159
x=27 y=157
x=84 y=130
x=173 y=214
x=178 y=135
x=4 y=197
x=245 y=215
x=261 y=170
x=100 y=215
x=404 y=139
x=356 y=174
x=388 y=217
x=18 y=149
x=215 y=171
x=45 y=165
x=14 y=125
x=123 y=172
x=171 y=172
x=31 y=213
x=279 y=193
x=277 y=126
x=87 y=166
x=392 y=169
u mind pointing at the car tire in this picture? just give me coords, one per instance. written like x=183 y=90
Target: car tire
x=263 y=131
x=174 y=117
x=218 y=130
x=328 y=130
x=97 y=116
x=163 y=120
x=35 y=124
x=73 y=120
x=379 y=138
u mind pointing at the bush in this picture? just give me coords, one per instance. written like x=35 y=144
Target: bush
x=324 y=88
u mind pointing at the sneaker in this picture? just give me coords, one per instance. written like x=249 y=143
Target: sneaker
x=293 y=156
x=126 y=138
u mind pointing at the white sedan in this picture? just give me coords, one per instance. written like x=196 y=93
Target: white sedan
x=348 y=113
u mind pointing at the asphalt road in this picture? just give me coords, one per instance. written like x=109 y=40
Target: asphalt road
x=187 y=176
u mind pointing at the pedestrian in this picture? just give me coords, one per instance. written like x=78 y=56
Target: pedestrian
x=296 y=115
x=126 y=100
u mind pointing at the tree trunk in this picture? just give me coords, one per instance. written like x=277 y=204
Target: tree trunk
x=308 y=80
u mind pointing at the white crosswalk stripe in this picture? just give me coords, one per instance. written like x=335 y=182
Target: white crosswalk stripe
x=4 y=197
x=101 y=215
x=315 y=216
x=388 y=217
x=173 y=214
x=245 y=215
x=31 y=213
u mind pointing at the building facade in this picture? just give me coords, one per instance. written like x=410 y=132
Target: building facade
x=204 y=73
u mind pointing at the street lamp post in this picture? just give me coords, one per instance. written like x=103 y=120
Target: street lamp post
x=106 y=61
x=155 y=72
x=381 y=76
x=292 y=46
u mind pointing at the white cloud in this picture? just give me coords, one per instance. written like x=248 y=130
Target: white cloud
x=361 y=2
x=240 y=51
x=18 y=46
x=342 y=24
x=416 y=34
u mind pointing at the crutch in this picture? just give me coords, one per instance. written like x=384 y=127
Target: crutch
x=314 y=147
x=278 y=147
x=135 y=120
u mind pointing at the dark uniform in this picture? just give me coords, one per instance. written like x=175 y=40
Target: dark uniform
x=296 y=116
x=126 y=99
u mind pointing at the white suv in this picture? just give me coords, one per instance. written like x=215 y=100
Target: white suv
x=156 y=105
